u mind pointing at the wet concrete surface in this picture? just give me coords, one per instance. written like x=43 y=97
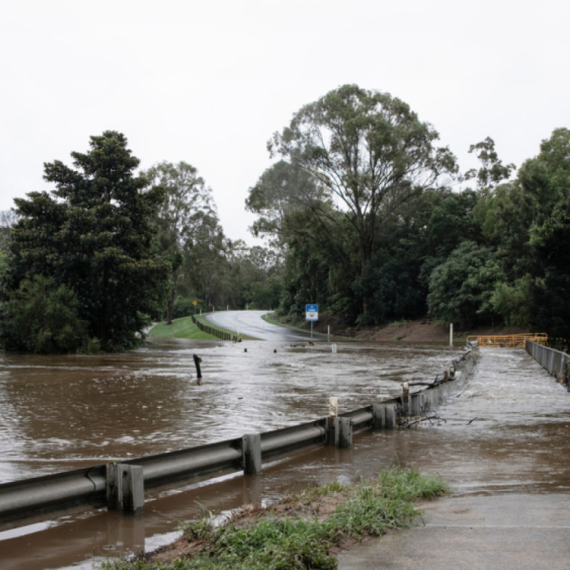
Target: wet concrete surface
x=505 y=449
x=251 y=324
x=499 y=532
x=59 y=413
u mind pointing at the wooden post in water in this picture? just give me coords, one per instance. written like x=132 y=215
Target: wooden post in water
x=197 y=361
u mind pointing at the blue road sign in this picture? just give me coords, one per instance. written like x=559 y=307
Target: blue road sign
x=312 y=312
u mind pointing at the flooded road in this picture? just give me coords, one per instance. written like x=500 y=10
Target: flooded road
x=250 y=323
x=506 y=431
x=64 y=412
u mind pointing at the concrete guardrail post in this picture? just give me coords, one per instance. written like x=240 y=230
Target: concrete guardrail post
x=125 y=487
x=331 y=437
x=390 y=416
x=379 y=416
x=251 y=448
x=332 y=432
x=419 y=404
x=345 y=432
x=415 y=404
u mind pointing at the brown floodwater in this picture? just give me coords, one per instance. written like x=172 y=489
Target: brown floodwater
x=507 y=430
x=64 y=412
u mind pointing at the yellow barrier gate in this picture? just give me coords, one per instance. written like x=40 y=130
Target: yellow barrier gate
x=510 y=340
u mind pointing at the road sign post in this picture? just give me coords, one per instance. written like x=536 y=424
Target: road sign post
x=312 y=315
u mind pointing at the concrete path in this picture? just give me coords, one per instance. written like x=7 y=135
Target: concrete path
x=505 y=449
x=522 y=532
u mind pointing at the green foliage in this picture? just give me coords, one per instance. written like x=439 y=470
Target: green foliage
x=514 y=301
x=461 y=287
x=42 y=317
x=94 y=235
x=183 y=307
x=354 y=159
x=492 y=170
x=186 y=218
x=528 y=221
x=391 y=290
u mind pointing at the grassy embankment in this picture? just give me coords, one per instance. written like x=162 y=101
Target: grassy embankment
x=302 y=531
x=180 y=328
x=185 y=328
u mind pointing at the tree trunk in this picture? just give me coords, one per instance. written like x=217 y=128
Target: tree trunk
x=170 y=307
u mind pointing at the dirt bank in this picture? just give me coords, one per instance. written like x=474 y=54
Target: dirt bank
x=405 y=331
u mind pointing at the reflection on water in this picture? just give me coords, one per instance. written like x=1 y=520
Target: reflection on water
x=63 y=412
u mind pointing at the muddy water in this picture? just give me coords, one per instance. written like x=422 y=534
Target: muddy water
x=506 y=431
x=60 y=413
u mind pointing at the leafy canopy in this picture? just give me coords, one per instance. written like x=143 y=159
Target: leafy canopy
x=369 y=151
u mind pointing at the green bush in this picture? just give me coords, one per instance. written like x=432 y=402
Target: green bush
x=183 y=307
x=41 y=317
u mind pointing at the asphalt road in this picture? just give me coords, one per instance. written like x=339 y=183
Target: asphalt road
x=251 y=324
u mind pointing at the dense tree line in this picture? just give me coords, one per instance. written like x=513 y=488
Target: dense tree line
x=359 y=215
x=87 y=266
x=361 y=207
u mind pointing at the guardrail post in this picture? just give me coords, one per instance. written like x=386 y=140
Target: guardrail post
x=390 y=416
x=133 y=489
x=415 y=407
x=379 y=416
x=344 y=432
x=251 y=448
x=125 y=487
x=331 y=437
x=114 y=487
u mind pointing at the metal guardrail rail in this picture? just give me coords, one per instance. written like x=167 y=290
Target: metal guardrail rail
x=554 y=361
x=108 y=484
x=510 y=340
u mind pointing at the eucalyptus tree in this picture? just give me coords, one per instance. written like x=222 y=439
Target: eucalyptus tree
x=186 y=216
x=369 y=152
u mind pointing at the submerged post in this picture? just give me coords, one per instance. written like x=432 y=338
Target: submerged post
x=197 y=361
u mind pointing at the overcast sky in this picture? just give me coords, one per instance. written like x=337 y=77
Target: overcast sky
x=208 y=82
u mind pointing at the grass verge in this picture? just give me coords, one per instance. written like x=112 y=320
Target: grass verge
x=180 y=328
x=204 y=321
x=303 y=531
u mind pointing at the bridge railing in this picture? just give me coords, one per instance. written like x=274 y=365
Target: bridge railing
x=510 y=340
x=554 y=361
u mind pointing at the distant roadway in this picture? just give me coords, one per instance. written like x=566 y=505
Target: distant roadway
x=251 y=324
